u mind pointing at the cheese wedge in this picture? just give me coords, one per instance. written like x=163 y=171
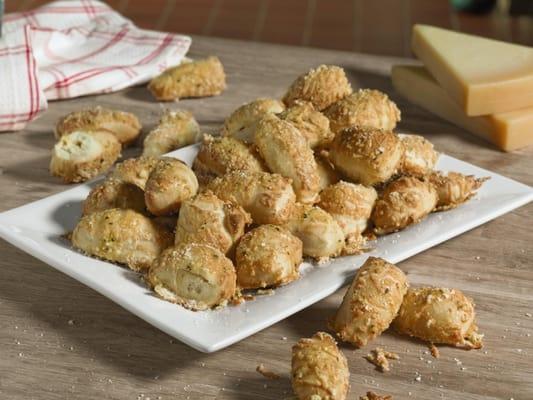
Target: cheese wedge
x=509 y=131
x=483 y=76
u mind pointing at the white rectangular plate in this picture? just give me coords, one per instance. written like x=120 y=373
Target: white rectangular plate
x=36 y=228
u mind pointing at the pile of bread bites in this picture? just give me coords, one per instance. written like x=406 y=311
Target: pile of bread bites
x=313 y=175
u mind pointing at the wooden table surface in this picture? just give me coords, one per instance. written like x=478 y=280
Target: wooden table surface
x=61 y=340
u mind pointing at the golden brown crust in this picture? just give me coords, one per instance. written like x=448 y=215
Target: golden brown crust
x=82 y=155
x=122 y=236
x=268 y=198
x=322 y=87
x=351 y=206
x=242 y=122
x=367 y=156
x=195 y=276
x=319 y=369
x=370 y=303
x=205 y=219
x=364 y=108
x=199 y=78
x=419 y=157
x=320 y=234
x=286 y=152
x=124 y=125
x=176 y=129
x=219 y=155
x=439 y=315
x=170 y=183
x=312 y=124
x=267 y=256
x=134 y=170
x=404 y=202
x=113 y=193
x=454 y=188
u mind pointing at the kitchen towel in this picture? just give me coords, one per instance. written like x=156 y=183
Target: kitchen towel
x=74 y=48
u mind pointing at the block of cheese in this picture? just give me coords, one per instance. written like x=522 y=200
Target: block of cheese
x=483 y=76
x=509 y=131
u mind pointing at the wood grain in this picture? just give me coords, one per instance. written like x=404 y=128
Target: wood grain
x=107 y=353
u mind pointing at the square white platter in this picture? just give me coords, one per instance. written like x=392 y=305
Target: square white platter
x=37 y=228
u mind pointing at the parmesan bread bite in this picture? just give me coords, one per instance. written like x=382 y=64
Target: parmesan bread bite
x=267 y=256
x=122 y=236
x=286 y=152
x=268 y=198
x=113 y=193
x=320 y=234
x=199 y=78
x=419 y=157
x=219 y=155
x=195 y=276
x=371 y=302
x=319 y=369
x=312 y=124
x=134 y=170
x=367 y=156
x=351 y=206
x=454 y=188
x=364 y=108
x=242 y=122
x=322 y=87
x=170 y=183
x=327 y=174
x=439 y=315
x=205 y=219
x=175 y=130
x=124 y=125
x=82 y=155
x=404 y=202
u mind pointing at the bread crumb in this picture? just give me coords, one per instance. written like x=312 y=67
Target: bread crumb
x=265 y=292
x=266 y=373
x=380 y=358
x=374 y=396
x=434 y=350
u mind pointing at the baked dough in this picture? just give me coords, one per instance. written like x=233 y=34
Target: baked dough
x=351 y=205
x=82 y=155
x=320 y=234
x=454 y=188
x=170 y=183
x=124 y=125
x=404 y=202
x=196 y=276
x=268 y=198
x=219 y=155
x=175 y=130
x=113 y=193
x=134 y=170
x=199 y=78
x=371 y=302
x=242 y=122
x=286 y=152
x=312 y=124
x=439 y=315
x=205 y=219
x=327 y=174
x=122 y=236
x=364 y=108
x=365 y=155
x=319 y=369
x=267 y=256
x=419 y=155
x=322 y=87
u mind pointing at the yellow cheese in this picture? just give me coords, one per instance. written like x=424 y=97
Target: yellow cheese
x=483 y=76
x=509 y=131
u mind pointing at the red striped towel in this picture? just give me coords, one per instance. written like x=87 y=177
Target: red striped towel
x=74 y=48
